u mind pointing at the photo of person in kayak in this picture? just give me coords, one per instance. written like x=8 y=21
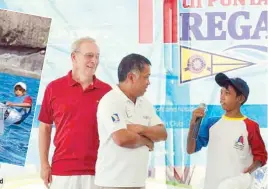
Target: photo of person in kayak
x=18 y=107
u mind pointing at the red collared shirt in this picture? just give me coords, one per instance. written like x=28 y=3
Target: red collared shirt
x=73 y=111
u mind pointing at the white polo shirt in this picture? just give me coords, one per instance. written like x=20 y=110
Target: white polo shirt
x=119 y=166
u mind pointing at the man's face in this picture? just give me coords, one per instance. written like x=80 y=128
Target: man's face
x=229 y=99
x=141 y=81
x=86 y=59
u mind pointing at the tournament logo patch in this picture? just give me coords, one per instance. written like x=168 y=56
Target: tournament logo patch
x=196 y=64
x=115 y=118
x=239 y=144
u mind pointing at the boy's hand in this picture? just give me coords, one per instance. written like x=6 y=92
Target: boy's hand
x=9 y=103
x=255 y=165
x=199 y=112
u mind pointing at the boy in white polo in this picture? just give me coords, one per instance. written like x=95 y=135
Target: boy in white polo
x=128 y=126
x=235 y=145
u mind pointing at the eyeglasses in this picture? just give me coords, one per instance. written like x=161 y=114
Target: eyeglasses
x=89 y=56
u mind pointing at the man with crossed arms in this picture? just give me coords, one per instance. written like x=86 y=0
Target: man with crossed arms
x=128 y=127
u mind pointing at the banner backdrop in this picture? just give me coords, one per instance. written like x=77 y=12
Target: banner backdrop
x=187 y=41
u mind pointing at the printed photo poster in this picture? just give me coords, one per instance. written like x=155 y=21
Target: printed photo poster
x=23 y=41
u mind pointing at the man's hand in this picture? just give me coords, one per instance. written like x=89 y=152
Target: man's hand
x=136 y=128
x=150 y=145
x=255 y=165
x=46 y=175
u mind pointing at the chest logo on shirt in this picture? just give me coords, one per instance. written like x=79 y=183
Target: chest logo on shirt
x=146 y=117
x=239 y=144
x=115 y=118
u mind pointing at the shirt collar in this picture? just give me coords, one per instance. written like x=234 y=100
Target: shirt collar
x=123 y=95
x=234 y=118
x=72 y=82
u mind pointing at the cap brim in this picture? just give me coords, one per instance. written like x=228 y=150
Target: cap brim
x=221 y=79
x=20 y=86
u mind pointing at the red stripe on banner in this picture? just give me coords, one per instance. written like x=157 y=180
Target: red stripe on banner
x=145 y=21
x=170 y=21
x=167 y=21
x=174 y=21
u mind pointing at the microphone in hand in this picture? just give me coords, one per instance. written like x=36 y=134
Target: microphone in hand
x=198 y=121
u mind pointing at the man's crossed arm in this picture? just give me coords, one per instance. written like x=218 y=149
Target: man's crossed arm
x=139 y=135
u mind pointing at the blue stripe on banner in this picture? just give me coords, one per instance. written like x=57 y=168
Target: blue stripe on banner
x=178 y=116
x=177 y=119
x=179 y=138
x=168 y=143
x=175 y=138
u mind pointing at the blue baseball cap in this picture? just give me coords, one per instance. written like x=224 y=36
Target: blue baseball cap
x=238 y=83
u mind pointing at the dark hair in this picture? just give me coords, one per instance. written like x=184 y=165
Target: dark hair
x=20 y=88
x=238 y=93
x=129 y=63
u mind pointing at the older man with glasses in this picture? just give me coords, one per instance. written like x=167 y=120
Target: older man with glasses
x=70 y=102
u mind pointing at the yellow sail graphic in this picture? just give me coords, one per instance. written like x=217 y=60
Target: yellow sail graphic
x=196 y=64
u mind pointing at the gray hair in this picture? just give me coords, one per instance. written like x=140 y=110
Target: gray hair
x=76 y=44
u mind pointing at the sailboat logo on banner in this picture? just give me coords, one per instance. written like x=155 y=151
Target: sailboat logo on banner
x=197 y=64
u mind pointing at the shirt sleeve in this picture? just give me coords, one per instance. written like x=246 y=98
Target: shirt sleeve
x=154 y=118
x=45 y=114
x=110 y=117
x=28 y=99
x=203 y=135
x=256 y=142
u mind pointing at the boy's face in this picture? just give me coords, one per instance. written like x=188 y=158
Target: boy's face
x=229 y=99
x=19 y=91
